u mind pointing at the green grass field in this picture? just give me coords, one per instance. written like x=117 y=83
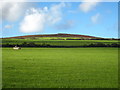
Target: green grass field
x=60 y=68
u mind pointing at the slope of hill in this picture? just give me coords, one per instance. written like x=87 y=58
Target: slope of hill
x=58 y=40
x=58 y=36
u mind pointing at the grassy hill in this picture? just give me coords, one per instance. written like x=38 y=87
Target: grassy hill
x=58 y=40
x=55 y=36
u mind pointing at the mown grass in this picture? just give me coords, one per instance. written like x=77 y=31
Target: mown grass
x=60 y=68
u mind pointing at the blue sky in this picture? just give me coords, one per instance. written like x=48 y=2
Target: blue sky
x=96 y=19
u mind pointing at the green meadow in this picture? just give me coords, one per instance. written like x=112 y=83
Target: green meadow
x=60 y=68
x=45 y=42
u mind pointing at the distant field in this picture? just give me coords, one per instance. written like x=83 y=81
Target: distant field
x=60 y=68
x=37 y=42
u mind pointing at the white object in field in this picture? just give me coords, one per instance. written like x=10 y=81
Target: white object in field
x=16 y=48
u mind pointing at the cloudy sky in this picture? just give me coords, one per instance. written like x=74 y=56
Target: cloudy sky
x=86 y=18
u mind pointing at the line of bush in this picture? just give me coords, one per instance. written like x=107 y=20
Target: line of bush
x=32 y=44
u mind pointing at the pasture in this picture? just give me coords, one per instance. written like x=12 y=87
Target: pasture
x=60 y=68
x=49 y=43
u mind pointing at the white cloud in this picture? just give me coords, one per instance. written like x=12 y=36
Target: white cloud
x=55 y=13
x=87 y=6
x=11 y=10
x=33 y=22
x=8 y=26
x=36 y=19
x=95 y=18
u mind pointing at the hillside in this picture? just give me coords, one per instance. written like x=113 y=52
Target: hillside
x=58 y=40
x=55 y=36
